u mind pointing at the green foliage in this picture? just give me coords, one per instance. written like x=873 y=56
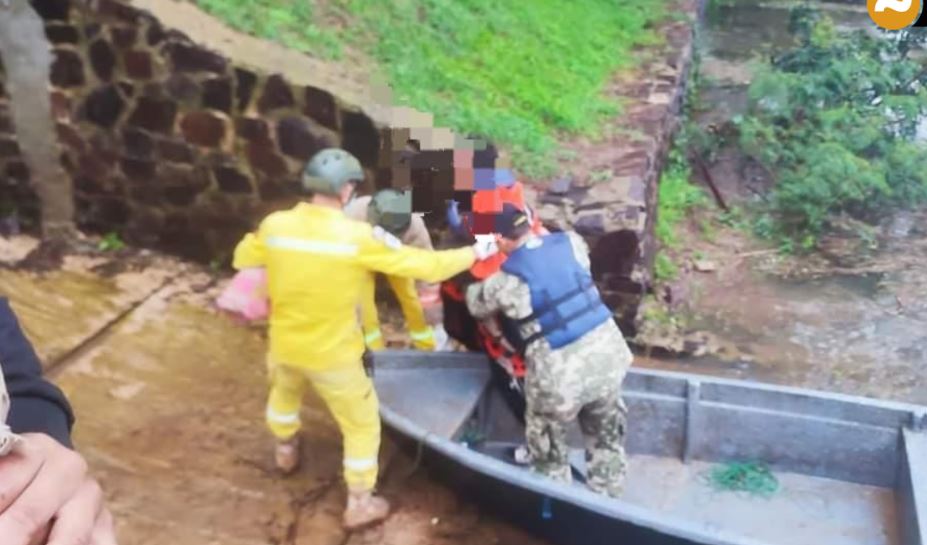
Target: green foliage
x=111 y=243
x=677 y=195
x=834 y=121
x=664 y=270
x=515 y=72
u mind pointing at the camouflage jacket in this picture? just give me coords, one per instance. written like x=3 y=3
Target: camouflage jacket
x=508 y=294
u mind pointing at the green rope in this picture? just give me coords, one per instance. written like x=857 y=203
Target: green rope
x=754 y=478
x=472 y=436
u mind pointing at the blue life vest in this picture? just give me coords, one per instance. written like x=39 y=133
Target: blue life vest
x=564 y=299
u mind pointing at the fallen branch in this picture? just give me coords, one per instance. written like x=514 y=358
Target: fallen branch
x=706 y=175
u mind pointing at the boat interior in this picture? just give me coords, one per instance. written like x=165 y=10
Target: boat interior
x=849 y=471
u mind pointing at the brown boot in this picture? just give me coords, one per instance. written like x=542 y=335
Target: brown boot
x=286 y=455
x=364 y=508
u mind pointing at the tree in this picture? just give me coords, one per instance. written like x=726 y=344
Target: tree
x=26 y=55
x=834 y=120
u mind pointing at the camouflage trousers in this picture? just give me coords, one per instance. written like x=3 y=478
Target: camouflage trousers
x=582 y=383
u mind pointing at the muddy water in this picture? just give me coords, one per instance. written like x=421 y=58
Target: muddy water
x=860 y=334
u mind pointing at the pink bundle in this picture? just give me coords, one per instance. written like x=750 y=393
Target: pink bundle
x=246 y=295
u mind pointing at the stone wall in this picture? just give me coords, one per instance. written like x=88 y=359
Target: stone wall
x=178 y=147
x=616 y=215
x=170 y=143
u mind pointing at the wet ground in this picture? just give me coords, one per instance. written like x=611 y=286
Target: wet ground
x=850 y=319
x=170 y=402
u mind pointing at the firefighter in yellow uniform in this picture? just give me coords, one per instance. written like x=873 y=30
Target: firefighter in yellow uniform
x=420 y=302
x=318 y=262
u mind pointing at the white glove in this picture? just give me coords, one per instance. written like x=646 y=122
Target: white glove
x=442 y=340
x=485 y=246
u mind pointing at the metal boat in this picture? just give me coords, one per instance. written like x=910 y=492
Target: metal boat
x=850 y=471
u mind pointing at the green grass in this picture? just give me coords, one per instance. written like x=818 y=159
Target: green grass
x=111 y=243
x=664 y=269
x=518 y=73
x=677 y=195
x=289 y=22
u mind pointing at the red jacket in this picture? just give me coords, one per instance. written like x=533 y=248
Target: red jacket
x=487 y=203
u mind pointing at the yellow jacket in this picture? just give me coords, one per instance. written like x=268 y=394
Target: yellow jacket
x=318 y=262
x=405 y=288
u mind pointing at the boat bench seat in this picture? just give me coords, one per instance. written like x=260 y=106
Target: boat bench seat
x=441 y=400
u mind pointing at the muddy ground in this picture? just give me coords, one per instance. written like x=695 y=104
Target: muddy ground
x=169 y=398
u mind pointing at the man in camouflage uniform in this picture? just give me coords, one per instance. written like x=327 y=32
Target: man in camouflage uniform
x=576 y=356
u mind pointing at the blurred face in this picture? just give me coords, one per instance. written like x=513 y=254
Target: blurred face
x=506 y=246
x=347 y=193
x=463 y=159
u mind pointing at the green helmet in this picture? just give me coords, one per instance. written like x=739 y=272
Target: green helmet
x=329 y=170
x=391 y=209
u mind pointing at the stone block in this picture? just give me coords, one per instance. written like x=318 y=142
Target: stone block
x=62 y=33
x=217 y=94
x=187 y=57
x=176 y=151
x=67 y=70
x=360 y=137
x=182 y=87
x=138 y=64
x=17 y=170
x=207 y=129
x=265 y=159
x=297 y=139
x=276 y=95
x=145 y=193
x=270 y=189
x=154 y=115
x=103 y=213
x=253 y=129
x=245 y=83
x=9 y=147
x=137 y=143
x=181 y=184
x=104 y=106
x=52 y=10
x=138 y=170
x=321 y=106
x=145 y=224
x=124 y=37
x=89 y=185
x=232 y=180
x=155 y=33
x=94 y=165
x=102 y=59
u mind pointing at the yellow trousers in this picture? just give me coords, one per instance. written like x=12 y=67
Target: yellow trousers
x=422 y=334
x=349 y=394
